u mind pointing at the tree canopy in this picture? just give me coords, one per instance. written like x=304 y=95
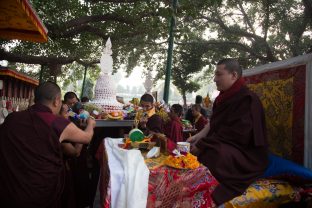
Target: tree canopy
x=254 y=31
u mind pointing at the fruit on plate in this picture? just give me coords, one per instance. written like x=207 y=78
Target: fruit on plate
x=115 y=115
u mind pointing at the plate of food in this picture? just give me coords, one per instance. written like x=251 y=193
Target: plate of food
x=187 y=161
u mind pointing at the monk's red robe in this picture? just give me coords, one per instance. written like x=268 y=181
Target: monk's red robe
x=155 y=124
x=31 y=163
x=173 y=129
x=235 y=149
x=200 y=123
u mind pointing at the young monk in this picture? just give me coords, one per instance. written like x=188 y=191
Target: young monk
x=75 y=156
x=150 y=122
x=173 y=129
x=70 y=98
x=70 y=150
x=199 y=120
x=64 y=110
x=234 y=147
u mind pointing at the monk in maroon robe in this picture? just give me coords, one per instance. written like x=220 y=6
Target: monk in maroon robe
x=31 y=162
x=235 y=148
x=199 y=120
x=173 y=129
x=151 y=122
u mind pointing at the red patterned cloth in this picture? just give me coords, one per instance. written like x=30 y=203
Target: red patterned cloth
x=169 y=187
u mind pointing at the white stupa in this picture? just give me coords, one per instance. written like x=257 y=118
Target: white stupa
x=148 y=84
x=105 y=88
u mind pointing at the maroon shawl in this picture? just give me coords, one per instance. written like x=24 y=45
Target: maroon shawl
x=155 y=124
x=32 y=170
x=224 y=95
x=200 y=123
x=174 y=129
x=235 y=149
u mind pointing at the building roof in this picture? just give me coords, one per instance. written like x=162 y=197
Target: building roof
x=19 y=76
x=18 y=20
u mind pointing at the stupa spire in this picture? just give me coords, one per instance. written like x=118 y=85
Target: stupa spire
x=106 y=61
x=148 y=84
x=105 y=88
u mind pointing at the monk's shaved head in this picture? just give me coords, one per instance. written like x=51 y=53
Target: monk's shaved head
x=177 y=109
x=147 y=98
x=47 y=92
x=231 y=65
x=196 y=107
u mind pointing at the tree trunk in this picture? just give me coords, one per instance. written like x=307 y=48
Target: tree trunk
x=184 y=99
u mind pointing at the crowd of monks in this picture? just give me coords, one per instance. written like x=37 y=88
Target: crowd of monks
x=42 y=156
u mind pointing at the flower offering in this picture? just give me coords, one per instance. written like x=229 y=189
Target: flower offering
x=187 y=161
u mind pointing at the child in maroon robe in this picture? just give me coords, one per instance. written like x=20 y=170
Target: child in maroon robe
x=151 y=122
x=199 y=120
x=173 y=129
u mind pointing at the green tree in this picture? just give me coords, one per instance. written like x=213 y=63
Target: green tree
x=187 y=63
x=72 y=74
x=88 y=89
x=254 y=31
x=79 y=29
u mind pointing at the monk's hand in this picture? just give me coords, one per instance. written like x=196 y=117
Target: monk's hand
x=83 y=122
x=208 y=123
x=192 y=139
x=143 y=122
x=194 y=150
x=91 y=122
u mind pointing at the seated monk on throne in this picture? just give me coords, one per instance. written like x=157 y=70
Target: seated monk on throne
x=234 y=146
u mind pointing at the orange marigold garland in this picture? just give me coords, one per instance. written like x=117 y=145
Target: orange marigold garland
x=187 y=161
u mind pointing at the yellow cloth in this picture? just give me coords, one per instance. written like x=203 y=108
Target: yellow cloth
x=153 y=163
x=262 y=193
x=277 y=100
x=151 y=112
x=265 y=193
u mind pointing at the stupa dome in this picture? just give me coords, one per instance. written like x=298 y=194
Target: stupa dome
x=105 y=88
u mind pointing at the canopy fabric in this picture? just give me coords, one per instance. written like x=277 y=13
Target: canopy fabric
x=19 y=76
x=18 y=20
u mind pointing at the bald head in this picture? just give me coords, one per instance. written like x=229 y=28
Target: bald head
x=47 y=92
x=231 y=65
x=147 y=98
